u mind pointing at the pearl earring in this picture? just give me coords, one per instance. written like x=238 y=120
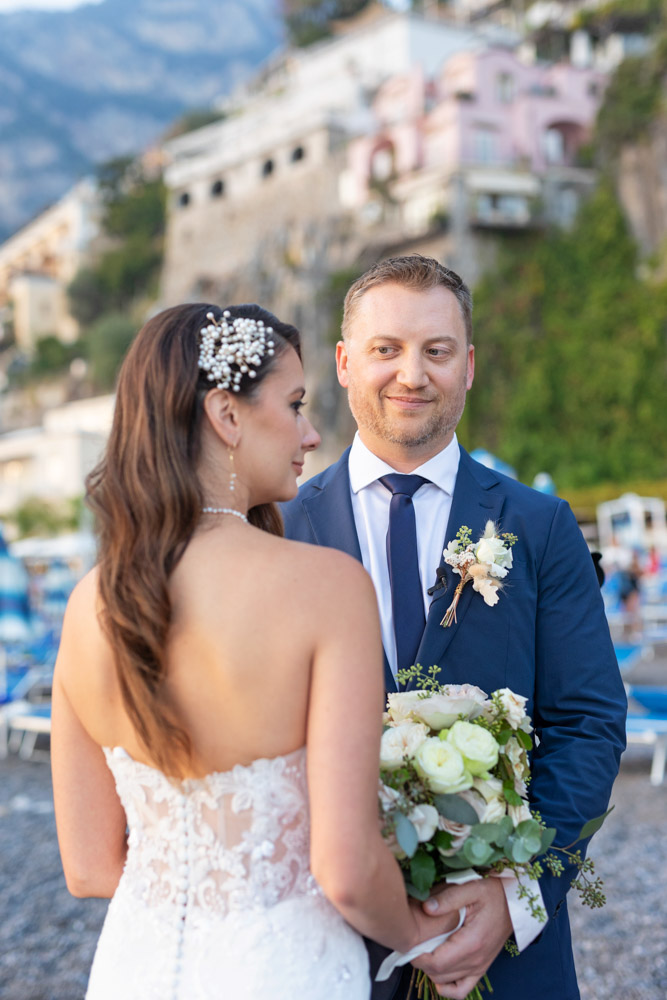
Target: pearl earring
x=232 y=474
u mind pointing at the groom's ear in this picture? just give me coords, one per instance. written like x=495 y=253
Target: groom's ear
x=341 y=363
x=222 y=412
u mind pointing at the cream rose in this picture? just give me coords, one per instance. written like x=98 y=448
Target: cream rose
x=388 y=797
x=492 y=791
x=476 y=745
x=403 y=706
x=516 y=756
x=518 y=813
x=441 y=710
x=424 y=818
x=399 y=742
x=493 y=551
x=514 y=707
x=442 y=766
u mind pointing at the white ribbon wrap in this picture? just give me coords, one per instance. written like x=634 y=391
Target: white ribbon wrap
x=397 y=958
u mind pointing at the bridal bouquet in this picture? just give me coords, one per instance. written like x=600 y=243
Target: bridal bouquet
x=454 y=772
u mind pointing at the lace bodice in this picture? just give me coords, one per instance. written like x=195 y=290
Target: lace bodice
x=216 y=900
x=233 y=840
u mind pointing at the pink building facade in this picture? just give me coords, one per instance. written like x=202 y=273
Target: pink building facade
x=502 y=127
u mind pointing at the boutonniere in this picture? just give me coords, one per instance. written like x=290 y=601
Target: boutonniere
x=485 y=562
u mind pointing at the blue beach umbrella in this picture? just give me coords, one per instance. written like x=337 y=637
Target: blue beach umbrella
x=15 y=625
x=57 y=584
x=492 y=461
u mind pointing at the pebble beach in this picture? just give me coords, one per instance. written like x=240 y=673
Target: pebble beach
x=47 y=937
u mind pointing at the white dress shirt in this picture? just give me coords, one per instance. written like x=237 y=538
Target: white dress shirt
x=432 y=503
x=370 y=506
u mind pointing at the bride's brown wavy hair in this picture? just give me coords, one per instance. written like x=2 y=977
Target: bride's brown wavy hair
x=147 y=502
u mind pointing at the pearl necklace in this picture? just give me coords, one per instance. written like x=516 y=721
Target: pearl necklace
x=224 y=510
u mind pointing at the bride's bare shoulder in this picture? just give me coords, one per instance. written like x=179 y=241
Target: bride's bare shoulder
x=325 y=568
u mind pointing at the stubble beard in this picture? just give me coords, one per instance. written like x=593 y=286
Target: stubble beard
x=373 y=418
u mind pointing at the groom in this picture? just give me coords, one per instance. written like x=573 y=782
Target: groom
x=393 y=500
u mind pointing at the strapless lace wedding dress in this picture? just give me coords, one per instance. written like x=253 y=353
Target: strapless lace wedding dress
x=217 y=899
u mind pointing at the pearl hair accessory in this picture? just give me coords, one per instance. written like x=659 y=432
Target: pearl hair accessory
x=224 y=510
x=231 y=348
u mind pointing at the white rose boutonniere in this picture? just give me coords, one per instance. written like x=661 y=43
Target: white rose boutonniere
x=485 y=563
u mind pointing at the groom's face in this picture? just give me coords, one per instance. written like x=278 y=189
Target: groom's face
x=406 y=365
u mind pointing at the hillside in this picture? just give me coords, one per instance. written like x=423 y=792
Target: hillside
x=79 y=87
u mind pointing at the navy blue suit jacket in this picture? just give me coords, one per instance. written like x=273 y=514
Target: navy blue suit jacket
x=547 y=638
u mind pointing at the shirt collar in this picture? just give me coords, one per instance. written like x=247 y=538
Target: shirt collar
x=365 y=467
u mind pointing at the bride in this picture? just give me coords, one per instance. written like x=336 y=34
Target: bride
x=218 y=692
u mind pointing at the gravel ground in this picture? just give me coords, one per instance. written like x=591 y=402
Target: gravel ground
x=47 y=937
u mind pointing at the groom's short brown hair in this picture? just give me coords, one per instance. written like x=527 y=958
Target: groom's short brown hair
x=413 y=271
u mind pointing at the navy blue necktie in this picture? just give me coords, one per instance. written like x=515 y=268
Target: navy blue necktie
x=407 y=600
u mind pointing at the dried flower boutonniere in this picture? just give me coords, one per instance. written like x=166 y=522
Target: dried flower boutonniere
x=485 y=562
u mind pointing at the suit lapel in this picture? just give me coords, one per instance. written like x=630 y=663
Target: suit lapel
x=473 y=504
x=329 y=511
x=331 y=518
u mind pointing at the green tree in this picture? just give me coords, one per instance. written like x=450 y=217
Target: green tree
x=572 y=356
x=36 y=516
x=134 y=217
x=308 y=21
x=108 y=341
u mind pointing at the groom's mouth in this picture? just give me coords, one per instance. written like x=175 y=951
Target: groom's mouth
x=298 y=467
x=409 y=402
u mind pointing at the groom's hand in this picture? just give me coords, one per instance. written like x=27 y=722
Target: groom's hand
x=458 y=964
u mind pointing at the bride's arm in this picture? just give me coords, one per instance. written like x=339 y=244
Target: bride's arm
x=349 y=858
x=90 y=819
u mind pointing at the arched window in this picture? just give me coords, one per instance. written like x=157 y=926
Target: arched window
x=267 y=168
x=184 y=199
x=217 y=189
x=298 y=153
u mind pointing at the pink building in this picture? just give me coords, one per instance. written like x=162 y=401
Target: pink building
x=508 y=131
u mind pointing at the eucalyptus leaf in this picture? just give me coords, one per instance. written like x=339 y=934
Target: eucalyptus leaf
x=489 y=832
x=506 y=829
x=517 y=850
x=455 y=862
x=503 y=736
x=593 y=825
x=477 y=851
x=406 y=835
x=422 y=871
x=548 y=836
x=456 y=809
x=529 y=828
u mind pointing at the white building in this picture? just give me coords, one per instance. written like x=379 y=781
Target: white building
x=51 y=462
x=39 y=261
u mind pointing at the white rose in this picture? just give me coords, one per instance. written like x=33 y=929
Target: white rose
x=441 y=710
x=495 y=554
x=388 y=797
x=489 y=788
x=441 y=765
x=402 y=705
x=494 y=804
x=516 y=756
x=514 y=707
x=476 y=745
x=494 y=811
x=399 y=742
x=518 y=813
x=424 y=818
